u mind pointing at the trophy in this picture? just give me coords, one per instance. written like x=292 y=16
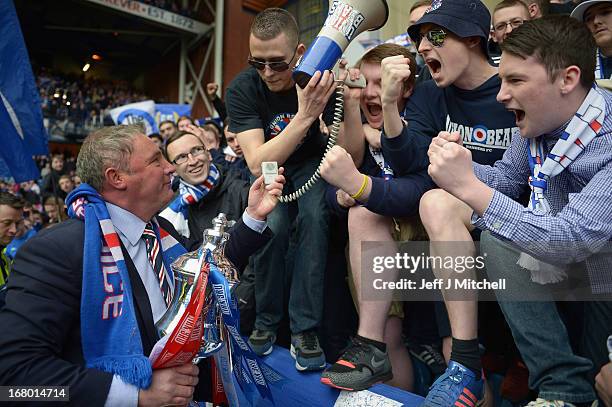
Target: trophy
x=203 y=319
x=214 y=244
x=189 y=329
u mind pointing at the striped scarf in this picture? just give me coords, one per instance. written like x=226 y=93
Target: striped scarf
x=581 y=130
x=599 y=68
x=177 y=212
x=109 y=330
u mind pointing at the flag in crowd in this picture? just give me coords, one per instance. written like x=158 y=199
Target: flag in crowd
x=22 y=133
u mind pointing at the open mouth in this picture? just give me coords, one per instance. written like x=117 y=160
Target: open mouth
x=519 y=115
x=195 y=170
x=374 y=109
x=434 y=66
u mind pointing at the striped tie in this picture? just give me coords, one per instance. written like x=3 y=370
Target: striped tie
x=155 y=257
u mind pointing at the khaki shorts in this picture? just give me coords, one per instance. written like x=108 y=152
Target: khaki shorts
x=404 y=229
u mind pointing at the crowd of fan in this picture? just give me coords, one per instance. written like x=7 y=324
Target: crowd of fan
x=209 y=143
x=73 y=104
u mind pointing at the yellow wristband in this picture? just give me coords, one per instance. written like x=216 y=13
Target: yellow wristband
x=364 y=184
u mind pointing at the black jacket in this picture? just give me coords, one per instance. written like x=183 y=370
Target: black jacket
x=230 y=196
x=40 y=343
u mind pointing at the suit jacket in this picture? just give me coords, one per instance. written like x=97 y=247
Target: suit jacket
x=40 y=343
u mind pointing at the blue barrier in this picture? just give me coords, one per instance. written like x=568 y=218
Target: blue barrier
x=295 y=388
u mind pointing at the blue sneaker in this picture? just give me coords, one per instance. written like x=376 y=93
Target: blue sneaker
x=458 y=387
x=307 y=352
x=262 y=342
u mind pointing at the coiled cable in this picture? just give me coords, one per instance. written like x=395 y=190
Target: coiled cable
x=331 y=141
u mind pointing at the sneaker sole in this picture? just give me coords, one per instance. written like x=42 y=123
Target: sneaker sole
x=304 y=368
x=363 y=386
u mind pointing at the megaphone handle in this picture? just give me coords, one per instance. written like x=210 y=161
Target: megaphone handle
x=331 y=141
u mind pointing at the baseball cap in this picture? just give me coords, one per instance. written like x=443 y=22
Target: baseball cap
x=464 y=18
x=580 y=9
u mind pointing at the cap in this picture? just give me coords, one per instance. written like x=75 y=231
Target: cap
x=464 y=18
x=580 y=9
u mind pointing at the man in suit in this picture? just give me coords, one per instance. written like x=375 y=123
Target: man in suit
x=44 y=344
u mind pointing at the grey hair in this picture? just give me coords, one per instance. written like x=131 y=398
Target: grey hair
x=105 y=148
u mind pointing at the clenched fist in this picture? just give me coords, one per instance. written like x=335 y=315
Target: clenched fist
x=339 y=170
x=395 y=70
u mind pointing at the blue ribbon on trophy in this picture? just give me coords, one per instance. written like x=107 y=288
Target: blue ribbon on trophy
x=248 y=369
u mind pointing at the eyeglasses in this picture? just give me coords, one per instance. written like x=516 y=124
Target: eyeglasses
x=194 y=152
x=501 y=27
x=276 y=66
x=435 y=37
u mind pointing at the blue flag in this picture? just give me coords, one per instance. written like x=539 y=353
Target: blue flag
x=14 y=152
x=22 y=133
x=168 y=111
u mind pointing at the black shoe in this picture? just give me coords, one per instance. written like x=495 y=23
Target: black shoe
x=360 y=367
x=430 y=355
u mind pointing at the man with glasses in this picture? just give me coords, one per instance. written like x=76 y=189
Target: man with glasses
x=507 y=16
x=276 y=121
x=461 y=99
x=11 y=216
x=205 y=189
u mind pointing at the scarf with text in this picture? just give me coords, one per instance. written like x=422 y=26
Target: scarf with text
x=109 y=330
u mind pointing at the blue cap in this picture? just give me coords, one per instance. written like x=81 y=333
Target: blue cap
x=464 y=18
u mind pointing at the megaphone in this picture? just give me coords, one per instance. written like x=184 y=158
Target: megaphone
x=345 y=20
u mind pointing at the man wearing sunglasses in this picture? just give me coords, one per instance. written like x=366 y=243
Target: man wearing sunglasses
x=276 y=121
x=452 y=38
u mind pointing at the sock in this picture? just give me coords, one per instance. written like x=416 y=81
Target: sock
x=467 y=353
x=380 y=345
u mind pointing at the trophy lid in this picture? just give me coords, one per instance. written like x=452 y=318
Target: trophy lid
x=218 y=232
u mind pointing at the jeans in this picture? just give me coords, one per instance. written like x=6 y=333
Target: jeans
x=555 y=371
x=300 y=275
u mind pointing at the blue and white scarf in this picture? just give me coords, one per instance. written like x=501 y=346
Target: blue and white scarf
x=177 y=212
x=109 y=331
x=599 y=68
x=581 y=130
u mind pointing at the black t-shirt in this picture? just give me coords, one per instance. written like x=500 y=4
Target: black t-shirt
x=251 y=105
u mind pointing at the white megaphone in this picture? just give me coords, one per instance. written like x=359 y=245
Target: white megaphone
x=345 y=20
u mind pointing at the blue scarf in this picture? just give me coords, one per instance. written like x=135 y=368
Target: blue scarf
x=109 y=331
x=177 y=212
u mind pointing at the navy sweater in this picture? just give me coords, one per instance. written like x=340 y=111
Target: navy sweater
x=485 y=125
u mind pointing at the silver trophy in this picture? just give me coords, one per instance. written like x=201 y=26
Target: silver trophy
x=214 y=241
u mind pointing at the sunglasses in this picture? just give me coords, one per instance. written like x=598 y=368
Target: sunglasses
x=276 y=66
x=435 y=37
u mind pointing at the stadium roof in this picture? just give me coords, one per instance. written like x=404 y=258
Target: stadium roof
x=75 y=29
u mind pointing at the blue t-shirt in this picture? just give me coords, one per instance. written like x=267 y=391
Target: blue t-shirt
x=484 y=124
